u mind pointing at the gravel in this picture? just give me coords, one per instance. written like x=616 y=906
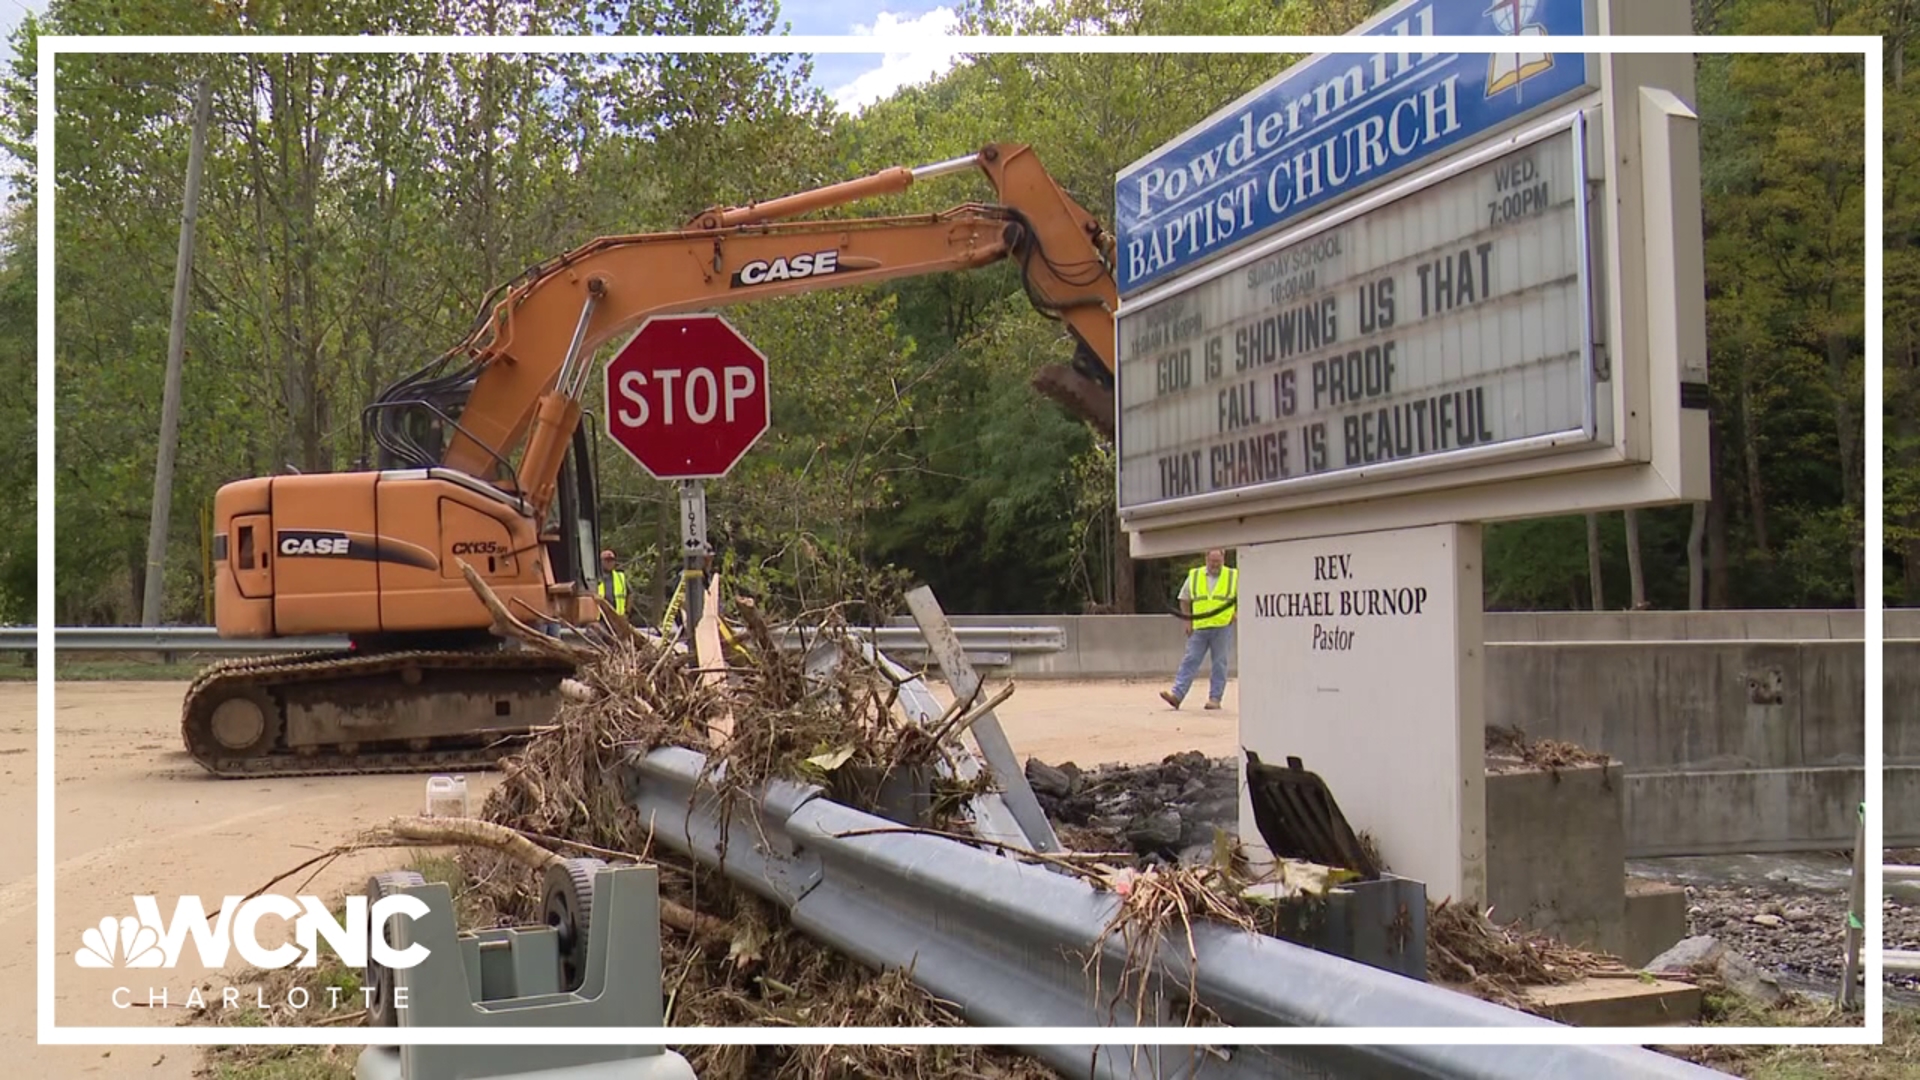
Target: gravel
x=1799 y=936
x=1787 y=913
x=1162 y=813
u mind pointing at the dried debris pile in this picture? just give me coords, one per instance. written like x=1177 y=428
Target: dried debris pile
x=829 y=714
x=763 y=717
x=728 y=957
x=1184 y=809
x=1467 y=949
x=1509 y=749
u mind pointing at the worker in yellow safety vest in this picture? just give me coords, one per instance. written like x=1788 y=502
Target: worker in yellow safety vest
x=611 y=578
x=1209 y=601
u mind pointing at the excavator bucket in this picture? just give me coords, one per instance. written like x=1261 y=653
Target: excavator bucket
x=1078 y=394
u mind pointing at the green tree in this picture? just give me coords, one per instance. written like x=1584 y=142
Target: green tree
x=358 y=211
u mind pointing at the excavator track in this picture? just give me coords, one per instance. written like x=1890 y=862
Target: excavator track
x=379 y=690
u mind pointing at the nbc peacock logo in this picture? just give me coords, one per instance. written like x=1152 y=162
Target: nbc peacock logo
x=1515 y=19
x=122 y=942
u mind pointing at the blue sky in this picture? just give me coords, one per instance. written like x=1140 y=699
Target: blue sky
x=856 y=80
x=851 y=80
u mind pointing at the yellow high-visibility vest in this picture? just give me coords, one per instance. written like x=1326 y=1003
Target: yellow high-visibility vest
x=619 y=591
x=1225 y=588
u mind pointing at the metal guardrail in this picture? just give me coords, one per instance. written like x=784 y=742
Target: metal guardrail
x=991 y=646
x=1007 y=942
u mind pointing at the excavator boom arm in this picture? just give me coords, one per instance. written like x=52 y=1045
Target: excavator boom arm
x=730 y=256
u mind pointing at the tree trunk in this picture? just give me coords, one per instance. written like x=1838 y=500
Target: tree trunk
x=315 y=139
x=1125 y=598
x=1718 y=594
x=1596 y=587
x=1696 y=573
x=1851 y=478
x=489 y=119
x=1897 y=43
x=137 y=578
x=1750 y=460
x=154 y=588
x=1910 y=594
x=299 y=393
x=1636 y=582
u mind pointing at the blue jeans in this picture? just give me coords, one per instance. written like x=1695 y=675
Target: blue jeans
x=1217 y=640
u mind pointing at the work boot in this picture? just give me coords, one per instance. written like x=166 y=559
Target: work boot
x=1213 y=703
x=1167 y=696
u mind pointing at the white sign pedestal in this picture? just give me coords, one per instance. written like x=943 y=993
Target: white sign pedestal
x=1363 y=656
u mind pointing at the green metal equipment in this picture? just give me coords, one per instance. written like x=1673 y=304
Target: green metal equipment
x=595 y=963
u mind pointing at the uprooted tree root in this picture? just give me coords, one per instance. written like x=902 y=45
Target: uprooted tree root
x=768 y=717
x=772 y=716
x=1155 y=903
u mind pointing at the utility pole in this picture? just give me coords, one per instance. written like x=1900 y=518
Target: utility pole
x=176 y=354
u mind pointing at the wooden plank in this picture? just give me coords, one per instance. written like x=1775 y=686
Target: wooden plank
x=1618 y=1002
x=712 y=658
x=986 y=732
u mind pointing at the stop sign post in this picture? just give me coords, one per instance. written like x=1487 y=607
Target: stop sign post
x=686 y=399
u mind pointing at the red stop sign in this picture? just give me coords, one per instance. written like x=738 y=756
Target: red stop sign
x=687 y=397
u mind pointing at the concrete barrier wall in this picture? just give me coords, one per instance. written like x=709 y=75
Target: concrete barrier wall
x=1149 y=646
x=1757 y=811
x=1740 y=731
x=1689 y=704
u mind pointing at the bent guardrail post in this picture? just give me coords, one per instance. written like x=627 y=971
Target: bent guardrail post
x=986 y=732
x=1009 y=942
x=992 y=819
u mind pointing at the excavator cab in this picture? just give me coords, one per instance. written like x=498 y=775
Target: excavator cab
x=572 y=535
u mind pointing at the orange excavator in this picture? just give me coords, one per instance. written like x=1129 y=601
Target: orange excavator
x=483 y=461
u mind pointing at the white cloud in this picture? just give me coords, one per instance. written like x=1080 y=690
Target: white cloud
x=900 y=69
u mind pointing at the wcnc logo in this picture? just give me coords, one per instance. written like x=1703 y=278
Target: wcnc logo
x=145 y=940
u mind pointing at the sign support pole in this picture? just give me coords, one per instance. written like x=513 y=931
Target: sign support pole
x=694 y=550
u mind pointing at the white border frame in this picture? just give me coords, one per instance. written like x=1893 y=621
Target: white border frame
x=52 y=47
